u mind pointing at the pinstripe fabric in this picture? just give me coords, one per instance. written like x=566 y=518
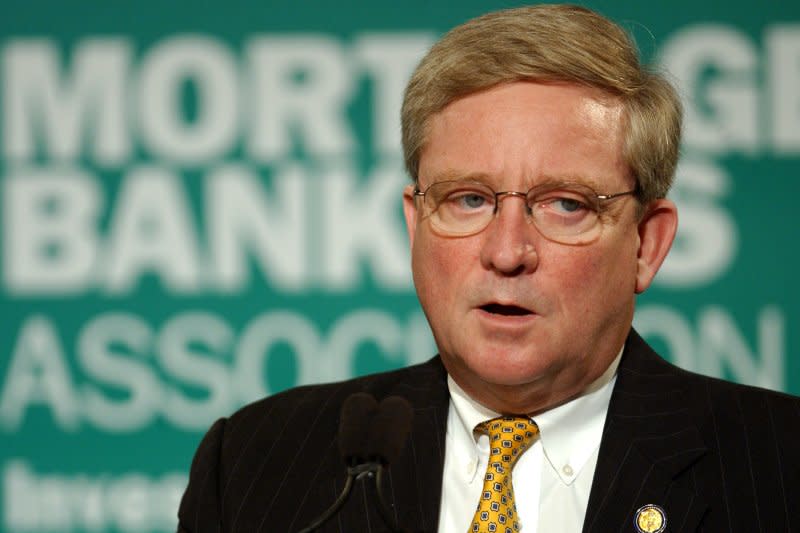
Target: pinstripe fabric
x=261 y=471
x=717 y=457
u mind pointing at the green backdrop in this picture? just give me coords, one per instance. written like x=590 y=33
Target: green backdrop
x=201 y=206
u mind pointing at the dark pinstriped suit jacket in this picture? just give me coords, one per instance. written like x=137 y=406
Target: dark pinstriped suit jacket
x=716 y=456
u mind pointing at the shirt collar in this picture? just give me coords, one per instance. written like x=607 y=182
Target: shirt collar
x=569 y=433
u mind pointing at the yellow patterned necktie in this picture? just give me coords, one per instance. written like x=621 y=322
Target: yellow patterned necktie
x=509 y=436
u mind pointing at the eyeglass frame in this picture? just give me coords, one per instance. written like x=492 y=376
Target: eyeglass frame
x=419 y=193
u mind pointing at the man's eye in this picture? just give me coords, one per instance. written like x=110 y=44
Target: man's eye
x=568 y=205
x=468 y=200
x=472 y=201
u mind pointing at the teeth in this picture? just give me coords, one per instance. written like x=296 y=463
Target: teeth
x=499 y=309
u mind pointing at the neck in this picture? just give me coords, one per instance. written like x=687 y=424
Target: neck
x=541 y=395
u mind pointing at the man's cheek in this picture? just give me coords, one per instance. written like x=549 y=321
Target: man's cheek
x=442 y=255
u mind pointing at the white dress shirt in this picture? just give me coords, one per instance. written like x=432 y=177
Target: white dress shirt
x=551 y=480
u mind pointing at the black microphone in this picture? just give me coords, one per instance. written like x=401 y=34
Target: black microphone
x=390 y=428
x=371 y=437
x=355 y=419
x=387 y=436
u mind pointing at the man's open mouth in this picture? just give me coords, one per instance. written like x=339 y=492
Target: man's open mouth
x=506 y=310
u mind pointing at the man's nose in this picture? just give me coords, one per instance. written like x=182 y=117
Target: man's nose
x=509 y=246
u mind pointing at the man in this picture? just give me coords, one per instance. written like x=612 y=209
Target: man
x=541 y=154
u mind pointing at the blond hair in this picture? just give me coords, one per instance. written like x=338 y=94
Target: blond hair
x=551 y=43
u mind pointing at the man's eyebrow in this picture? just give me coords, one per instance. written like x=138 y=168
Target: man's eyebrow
x=458 y=175
x=569 y=179
x=547 y=180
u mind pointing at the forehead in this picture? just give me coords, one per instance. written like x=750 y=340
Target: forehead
x=523 y=133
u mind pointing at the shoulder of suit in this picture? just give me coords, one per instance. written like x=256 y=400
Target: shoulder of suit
x=715 y=387
x=323 y=396
x=705 y=395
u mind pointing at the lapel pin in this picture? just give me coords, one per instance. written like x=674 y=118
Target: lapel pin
x=650 y=519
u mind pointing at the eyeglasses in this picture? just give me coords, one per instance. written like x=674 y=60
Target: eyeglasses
x=569 y=213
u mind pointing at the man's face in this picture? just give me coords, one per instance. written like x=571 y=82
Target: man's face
x=522 y=322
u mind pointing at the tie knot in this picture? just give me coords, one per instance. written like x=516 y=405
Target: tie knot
x=509 y=436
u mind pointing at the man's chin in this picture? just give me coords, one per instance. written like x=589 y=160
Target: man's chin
x=508 y=372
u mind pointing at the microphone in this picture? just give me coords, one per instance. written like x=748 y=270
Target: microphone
x=387 y=436
x=371 y=437
x=355 y=418
x=390 y=428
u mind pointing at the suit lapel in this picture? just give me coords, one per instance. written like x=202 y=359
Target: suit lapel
x=649 y=444
x=416 y=479
x=413 y=483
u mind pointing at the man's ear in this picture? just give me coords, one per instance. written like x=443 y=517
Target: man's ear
x=410 y=212
x=656 y=232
